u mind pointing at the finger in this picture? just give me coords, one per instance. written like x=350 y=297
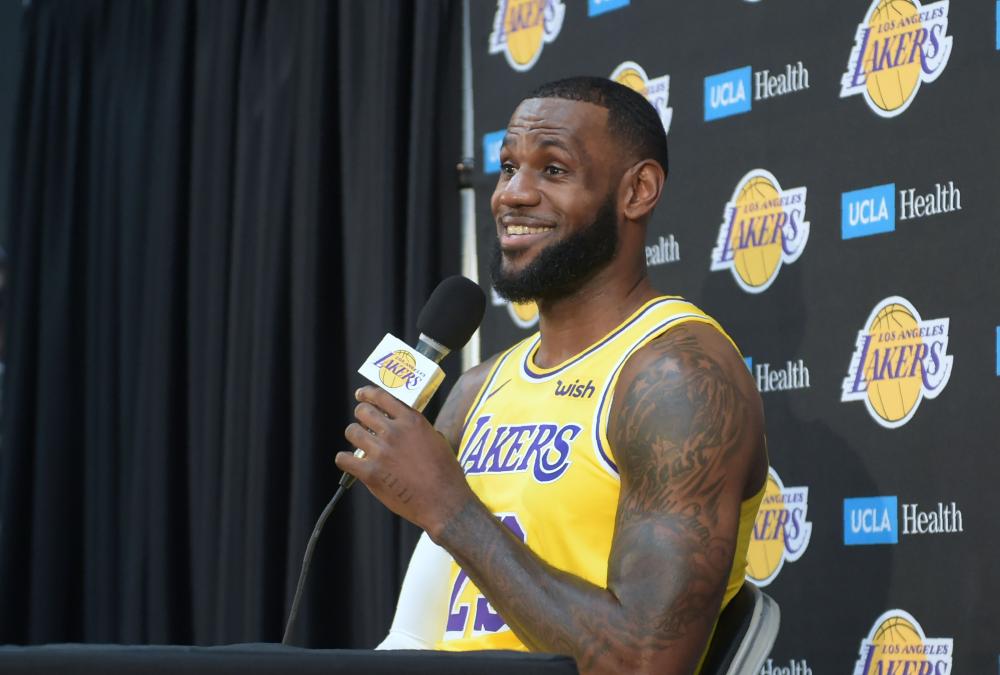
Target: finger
x=383 y=400
x=355 y=466
x=360 y=437
x=371 y=417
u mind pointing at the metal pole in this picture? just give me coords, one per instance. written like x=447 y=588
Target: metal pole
x=467 y=194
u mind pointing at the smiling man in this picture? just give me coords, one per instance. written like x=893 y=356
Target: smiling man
x=608 y=520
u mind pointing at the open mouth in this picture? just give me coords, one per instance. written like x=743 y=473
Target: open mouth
x=521 y=236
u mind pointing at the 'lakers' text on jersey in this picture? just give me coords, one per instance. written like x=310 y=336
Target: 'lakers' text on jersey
x=535 y=451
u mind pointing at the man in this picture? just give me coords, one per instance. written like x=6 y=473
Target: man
x=621 y=449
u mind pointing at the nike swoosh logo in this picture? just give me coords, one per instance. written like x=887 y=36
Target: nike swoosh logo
x=497 y=389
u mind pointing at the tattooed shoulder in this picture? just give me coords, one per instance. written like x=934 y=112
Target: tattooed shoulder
x=685 y=405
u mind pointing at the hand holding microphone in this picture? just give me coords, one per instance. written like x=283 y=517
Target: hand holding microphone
x=406 y=462
x=410 y=376
x=446 y=322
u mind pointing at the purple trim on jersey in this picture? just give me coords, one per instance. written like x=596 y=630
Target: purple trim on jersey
x=526 y=371
x=653 y=332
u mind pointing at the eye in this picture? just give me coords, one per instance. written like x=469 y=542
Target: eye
x=552 y=170
x=507 y=168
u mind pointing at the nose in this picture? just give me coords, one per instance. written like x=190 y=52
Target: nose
x=521 y=189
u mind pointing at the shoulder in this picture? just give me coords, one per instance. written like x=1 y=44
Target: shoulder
x=452 y=416
x=688 y=397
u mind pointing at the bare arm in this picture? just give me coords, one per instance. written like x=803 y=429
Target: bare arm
x=687 y=435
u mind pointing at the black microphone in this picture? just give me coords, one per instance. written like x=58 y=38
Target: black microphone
x=450 y=317
x=446 y=322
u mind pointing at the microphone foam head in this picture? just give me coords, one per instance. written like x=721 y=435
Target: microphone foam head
x=453 y=312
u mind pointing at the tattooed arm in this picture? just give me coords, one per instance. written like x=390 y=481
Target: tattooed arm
x=687 y=434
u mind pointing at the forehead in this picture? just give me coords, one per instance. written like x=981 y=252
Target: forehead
x=575 y=123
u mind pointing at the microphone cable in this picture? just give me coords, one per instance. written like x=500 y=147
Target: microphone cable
x=307 y=561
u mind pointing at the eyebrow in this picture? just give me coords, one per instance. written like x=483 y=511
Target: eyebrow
x=544 y=143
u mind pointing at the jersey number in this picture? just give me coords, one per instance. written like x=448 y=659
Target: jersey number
x=486 y=619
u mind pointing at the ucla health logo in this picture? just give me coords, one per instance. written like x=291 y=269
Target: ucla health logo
x=898 y=360
x=897 y=644
x=870 y=520
x=898 y=45
x=727 y=93
x=732 y=92
x=780 y=532
x=868 y=211
x=656 y=90
x=522 y=27
x=875 y=520
x=873 y=210
x=762 y=227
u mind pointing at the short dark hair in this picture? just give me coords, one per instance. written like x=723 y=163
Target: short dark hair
x=630 y=116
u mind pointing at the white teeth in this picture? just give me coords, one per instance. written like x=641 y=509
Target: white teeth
x=524 y=229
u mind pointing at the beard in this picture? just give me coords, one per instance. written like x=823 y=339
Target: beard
x=562 y=268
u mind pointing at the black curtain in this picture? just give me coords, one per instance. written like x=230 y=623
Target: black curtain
x=217 y=209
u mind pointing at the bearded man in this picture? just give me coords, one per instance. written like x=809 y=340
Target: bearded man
x=597 y=483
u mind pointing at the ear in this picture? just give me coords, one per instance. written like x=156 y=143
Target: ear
x=643 y=184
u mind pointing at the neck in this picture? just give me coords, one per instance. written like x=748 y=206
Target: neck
x=571 y=324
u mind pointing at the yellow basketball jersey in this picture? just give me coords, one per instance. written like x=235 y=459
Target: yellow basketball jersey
x=535 y=451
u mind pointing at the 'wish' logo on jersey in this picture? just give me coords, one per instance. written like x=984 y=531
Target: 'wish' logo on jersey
x=575 y=389
x=656 y=90
x=898 y=45
x=522 y=27
x=898 y=360
x=543 y=448
x=763 y=226
x=781 y=531
x=897 y=644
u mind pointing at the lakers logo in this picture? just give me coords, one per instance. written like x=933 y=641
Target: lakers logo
x=522 y=27
x=897 y=644
x=656 y=90
x=898 y=360
x=398 y=369
x=900 y=44
x=763 y=226
x=781 y=531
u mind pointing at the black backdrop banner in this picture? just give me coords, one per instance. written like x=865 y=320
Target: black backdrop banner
x=217 y=210
x=833 y=201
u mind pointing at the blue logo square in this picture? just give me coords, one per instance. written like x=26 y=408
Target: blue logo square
x=491 y=150
x=871 y=520
x=749 y=361
x=727 y=93
x=868 y=211
x=595 y=7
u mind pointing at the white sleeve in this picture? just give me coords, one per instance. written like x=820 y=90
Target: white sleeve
x=423 y=600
